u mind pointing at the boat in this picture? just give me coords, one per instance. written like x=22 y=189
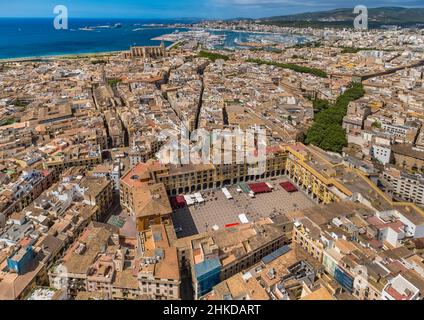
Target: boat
x=237 y=41
x=86 y=29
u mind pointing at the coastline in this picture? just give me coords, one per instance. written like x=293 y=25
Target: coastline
x=89 y=54
x=252 y=31
x=75 y=43
x=81 y=55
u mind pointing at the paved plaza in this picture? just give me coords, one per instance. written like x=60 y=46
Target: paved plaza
x=218 y=210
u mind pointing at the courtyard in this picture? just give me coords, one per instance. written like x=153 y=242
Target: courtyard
x=218 y=211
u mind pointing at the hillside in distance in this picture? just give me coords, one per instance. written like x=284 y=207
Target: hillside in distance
x=345 y=17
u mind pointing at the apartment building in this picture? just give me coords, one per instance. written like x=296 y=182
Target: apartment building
x=215 y=257
x=408 y=157
x=21 y=193
x=405 y=186
x=407 y=133
x=179 y=179
x=400 y=288
x=110 y=171
x=357 y=112
x=98 y=192
x=158 y=267
x=381 y=153
x=74 y=156
x=96 y=263
x=144 y=199
x=115 y=129
x=307 y=235
x=282 y=275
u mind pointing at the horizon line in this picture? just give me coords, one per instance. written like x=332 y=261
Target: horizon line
x=128 y=18
x=210 y=18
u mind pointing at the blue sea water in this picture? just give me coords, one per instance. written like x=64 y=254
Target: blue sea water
x=37 y=37
x=30 y=37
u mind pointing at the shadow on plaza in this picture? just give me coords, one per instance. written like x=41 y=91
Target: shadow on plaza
x=182 y=218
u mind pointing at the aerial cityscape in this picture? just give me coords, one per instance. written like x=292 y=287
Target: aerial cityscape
x=216 y=158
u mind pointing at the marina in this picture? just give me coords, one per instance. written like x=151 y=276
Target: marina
x=227 y=39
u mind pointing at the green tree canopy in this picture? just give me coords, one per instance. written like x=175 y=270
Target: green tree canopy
x=327 y=131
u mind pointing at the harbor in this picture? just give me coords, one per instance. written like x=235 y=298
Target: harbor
x=231 y=40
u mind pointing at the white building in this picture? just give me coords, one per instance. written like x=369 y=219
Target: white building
x=414 y=223
x=400 y=289
x=405 y=186
x=381 y=153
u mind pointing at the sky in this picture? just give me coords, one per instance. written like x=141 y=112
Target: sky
x=150 y=9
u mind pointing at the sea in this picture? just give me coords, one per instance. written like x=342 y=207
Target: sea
x=37 y=37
